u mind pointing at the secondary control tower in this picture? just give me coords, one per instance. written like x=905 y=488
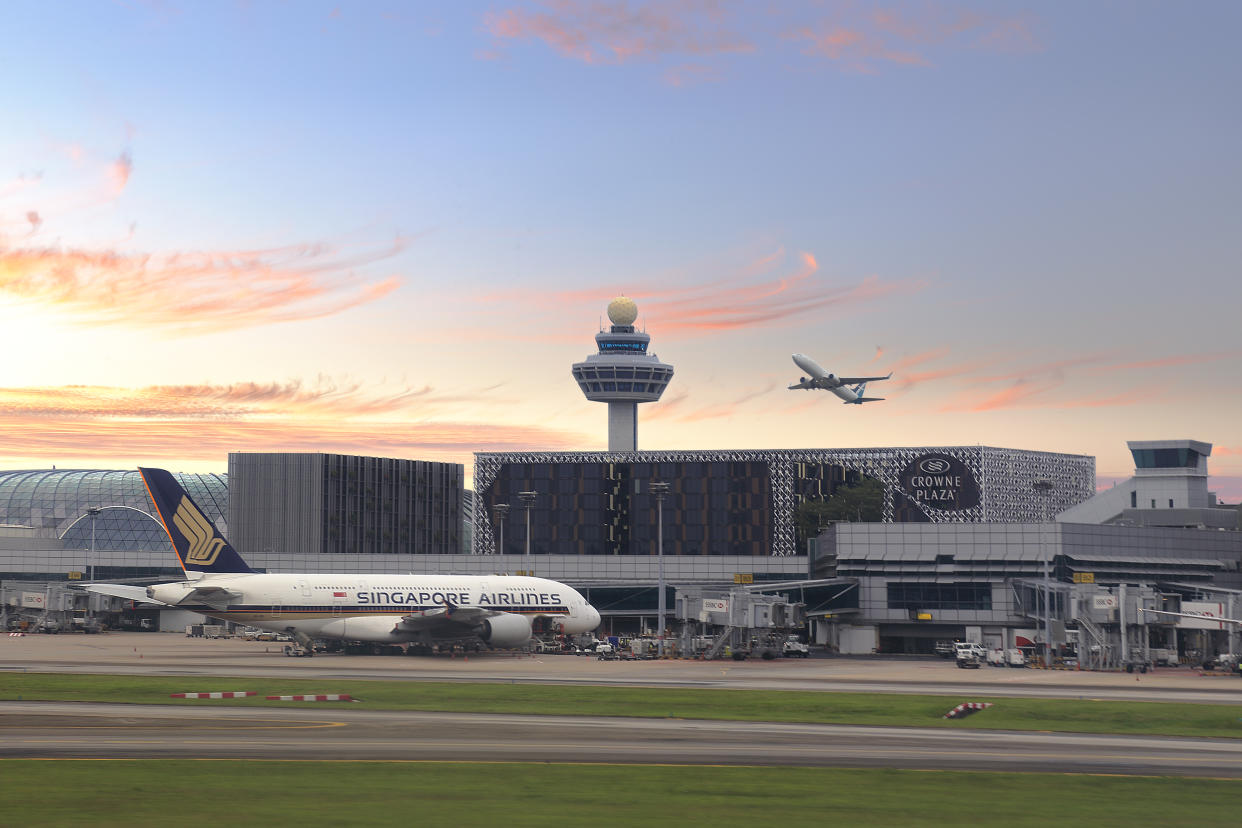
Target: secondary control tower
x=622 y=374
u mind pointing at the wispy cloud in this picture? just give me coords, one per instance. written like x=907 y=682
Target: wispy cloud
x=859 y=39
x=1168 y=362
x=192 y=291
x=772 y=290
x=617 y=31
x=205 y=422
x=323 y=398
x=196 y=291
x=679 y=409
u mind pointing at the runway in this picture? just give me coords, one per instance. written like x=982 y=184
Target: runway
x=170 y=654
x=335 y=731
x=99 y=731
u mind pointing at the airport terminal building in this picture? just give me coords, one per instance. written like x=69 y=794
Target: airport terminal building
x=956 y=545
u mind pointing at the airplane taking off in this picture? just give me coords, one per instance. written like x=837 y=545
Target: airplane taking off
x=384 y=609
x=830 y=382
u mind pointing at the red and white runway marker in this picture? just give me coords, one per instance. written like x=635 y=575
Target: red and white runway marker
x=329 y=697
x=963 y=710
x=226 y=695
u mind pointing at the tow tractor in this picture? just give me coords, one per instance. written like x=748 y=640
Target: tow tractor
x=302 y=646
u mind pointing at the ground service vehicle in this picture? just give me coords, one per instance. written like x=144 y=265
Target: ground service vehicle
x=969 y=654
x=794 y=648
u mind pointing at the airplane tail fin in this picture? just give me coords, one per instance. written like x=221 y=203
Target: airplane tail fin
x=200 y=546
x=860 y=390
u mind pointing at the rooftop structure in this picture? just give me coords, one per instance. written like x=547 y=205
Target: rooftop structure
x=622 y=374
x=1169 y=488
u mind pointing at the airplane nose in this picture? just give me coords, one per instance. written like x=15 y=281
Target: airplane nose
x=592 y=617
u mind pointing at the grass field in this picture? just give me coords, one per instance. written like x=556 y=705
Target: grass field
x=1081 y=715
x=1078 y=715
x=280 y=793
x=304 y=794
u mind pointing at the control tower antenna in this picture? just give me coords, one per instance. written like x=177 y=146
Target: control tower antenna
x=622 y=374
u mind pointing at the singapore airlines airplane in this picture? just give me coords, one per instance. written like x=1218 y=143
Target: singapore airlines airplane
x=386 y=609
x=830 y=382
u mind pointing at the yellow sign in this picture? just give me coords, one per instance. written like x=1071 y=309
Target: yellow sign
x=1084 y=577
x=75 y=576
x=743 y=578
x=923 y=616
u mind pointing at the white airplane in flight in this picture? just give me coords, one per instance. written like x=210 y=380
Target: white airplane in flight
x=830 y=382
x=387 y=609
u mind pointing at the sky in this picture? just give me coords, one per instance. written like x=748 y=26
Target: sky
x=390 y=228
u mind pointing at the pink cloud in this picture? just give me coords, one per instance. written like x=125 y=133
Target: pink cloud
x=676 y=409
x=859 y=39
x=125 y=425
x=1171 y=361
x=1026 y=393
x=616 y=31
x=770 y=291
x=197 y=291
x=119 y=172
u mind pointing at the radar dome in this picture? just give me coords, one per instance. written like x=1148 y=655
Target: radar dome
x=622 y=311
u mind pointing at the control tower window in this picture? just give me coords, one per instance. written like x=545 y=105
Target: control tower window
x=1165 y=458
x=632 y=347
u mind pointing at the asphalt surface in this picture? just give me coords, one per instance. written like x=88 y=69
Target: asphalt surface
x=332 y=730
x=93 y=731
x=170 y=654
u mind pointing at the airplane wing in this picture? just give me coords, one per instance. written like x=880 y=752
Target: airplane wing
x=126 y=591
x=445 y=618
x=856 y=380
x=213 y=596
x=1201 y=616
x=865 y=399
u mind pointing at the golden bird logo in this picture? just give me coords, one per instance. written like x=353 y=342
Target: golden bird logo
x=204 y=546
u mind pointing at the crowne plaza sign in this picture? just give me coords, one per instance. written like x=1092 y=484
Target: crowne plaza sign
x=941 y=482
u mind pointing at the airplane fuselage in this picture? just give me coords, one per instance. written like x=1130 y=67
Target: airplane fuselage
x=376 y=607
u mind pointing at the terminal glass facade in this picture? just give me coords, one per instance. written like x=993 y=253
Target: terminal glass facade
x=606 y=508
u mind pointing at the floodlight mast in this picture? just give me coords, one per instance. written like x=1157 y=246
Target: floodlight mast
x=659 y=490
x=1044 y=488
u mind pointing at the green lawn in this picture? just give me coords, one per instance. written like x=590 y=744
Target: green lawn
x=274 y=794
x=1087 y=716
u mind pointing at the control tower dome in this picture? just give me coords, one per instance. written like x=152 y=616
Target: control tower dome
x=622 y=374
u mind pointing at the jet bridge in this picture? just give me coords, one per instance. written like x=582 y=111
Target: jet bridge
x=739 y=621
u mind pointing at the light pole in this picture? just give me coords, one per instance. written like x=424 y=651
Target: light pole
x=93 y=511
x=528 y=500
x=660 y=491
x=499 y=511
x=1044 y=488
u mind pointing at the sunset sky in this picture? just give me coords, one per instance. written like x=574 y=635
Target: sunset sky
x=389 y=228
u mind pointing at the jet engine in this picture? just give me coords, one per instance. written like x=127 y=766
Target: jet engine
x=832 y=377
x=380 y=628
x=507 y=630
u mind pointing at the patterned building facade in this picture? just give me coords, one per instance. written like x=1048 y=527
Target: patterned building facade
x=744 y=502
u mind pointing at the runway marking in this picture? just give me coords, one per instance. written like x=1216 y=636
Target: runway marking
x=544 y=763
x=241 y=724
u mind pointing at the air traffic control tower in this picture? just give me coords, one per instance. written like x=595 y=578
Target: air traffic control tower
x=622 y=374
